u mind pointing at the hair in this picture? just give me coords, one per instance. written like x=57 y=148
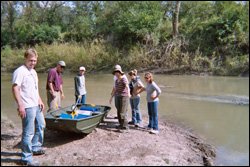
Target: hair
x=133 y=72
x=29 y=52
x=150 y=76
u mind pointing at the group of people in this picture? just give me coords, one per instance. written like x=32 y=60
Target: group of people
x=30 y=106
x=54 y=86
x=126 y=92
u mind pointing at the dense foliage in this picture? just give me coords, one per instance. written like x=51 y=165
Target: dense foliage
x=213 y=36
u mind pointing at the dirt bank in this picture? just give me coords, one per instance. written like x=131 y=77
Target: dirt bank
x=107 y=146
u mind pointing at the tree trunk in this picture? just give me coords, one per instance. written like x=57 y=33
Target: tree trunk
x=11 y=19
x=176 y=18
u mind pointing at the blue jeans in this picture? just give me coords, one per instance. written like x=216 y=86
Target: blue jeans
x=33 y=132
x=136 y=114
x=153 y=115
x=83 y=99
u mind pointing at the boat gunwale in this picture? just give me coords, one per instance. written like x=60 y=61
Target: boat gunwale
x=101 y=113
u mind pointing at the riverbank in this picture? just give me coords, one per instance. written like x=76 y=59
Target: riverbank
x=107 y=146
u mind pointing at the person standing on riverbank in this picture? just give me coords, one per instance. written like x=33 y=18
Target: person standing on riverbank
x=54 y=86
x=122 y=94
x=117 y=66
x=135 y=85
x=153 y=92
x=30 y=108
x=80 y=87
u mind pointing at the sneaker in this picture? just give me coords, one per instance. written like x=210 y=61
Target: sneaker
x=138 y=125
x=148 y=128
x=125 y=128
x=154 y=132
x=131 y=123
x=39 y=152
x=32 y=163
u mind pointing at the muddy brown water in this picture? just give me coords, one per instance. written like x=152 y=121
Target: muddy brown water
x=217 y=108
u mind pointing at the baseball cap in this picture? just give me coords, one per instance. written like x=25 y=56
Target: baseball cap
x=61 y=63
x=82 y=68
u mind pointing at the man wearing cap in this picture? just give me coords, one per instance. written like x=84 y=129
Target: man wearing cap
x=54 y=86
x=80 y=87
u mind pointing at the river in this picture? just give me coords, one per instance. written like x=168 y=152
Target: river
x=216 y=108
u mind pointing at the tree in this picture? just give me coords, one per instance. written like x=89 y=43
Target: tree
x=176 y=18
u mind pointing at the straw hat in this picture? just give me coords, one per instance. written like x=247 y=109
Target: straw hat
x=117 y=68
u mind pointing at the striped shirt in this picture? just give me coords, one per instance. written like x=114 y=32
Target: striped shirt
x=120 y=87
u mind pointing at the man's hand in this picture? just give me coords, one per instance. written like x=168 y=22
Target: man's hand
x=62 y=95
x=41 y=105
x=21 y=112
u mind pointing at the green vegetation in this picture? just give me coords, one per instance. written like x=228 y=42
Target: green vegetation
x=210 y=37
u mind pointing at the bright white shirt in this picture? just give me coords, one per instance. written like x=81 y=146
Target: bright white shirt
x=82 y=87
x=28 y=82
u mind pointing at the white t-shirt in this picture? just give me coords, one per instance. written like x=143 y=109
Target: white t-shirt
x=82 y=87
x=28 y=82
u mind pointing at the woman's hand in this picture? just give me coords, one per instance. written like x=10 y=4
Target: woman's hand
x=153 y=97
x=110 y=100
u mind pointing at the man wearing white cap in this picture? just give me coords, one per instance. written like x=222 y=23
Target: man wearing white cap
x=80 y=87
x=54 y=86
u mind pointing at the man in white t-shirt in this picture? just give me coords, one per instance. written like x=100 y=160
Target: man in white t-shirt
x=80 y=86
x=30 y=108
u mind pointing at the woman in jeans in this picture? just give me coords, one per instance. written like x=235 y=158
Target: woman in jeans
x=135 y=86
x=153 y=92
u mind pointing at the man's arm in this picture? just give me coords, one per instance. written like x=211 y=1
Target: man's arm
x=61 y=91
x=51 y=89
x=17 y=96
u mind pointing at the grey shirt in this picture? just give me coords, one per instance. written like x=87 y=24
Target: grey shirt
x=152 y=89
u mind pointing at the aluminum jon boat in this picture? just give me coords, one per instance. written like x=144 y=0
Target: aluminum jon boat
x=84 y=119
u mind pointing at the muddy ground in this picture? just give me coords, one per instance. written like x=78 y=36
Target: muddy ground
x=107 y=146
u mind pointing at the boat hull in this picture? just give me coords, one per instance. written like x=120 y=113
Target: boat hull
x=61 y=120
